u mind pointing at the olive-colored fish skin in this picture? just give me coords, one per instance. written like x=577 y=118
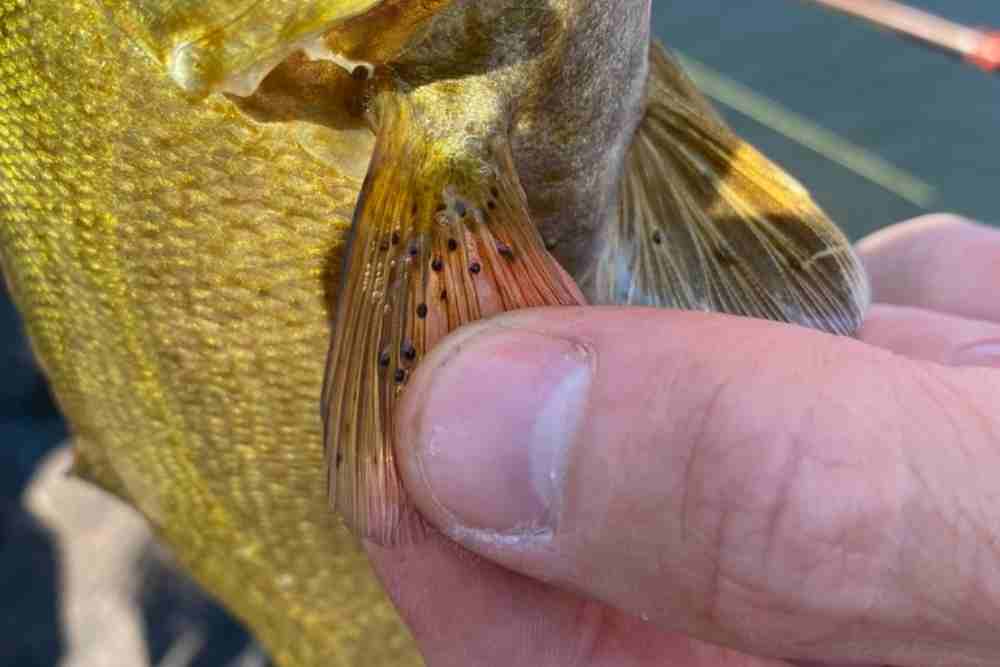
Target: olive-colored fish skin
x=176 y=261
x=172 y=259
x=572 y=75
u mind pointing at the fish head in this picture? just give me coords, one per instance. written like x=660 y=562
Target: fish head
x=231 y=45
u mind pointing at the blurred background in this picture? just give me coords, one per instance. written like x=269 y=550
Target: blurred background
x=878 y=128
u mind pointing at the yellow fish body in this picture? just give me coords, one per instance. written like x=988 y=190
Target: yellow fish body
x=177 y=185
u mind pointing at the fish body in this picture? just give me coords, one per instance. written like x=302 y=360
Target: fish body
x=173 y=259
x=178 y=185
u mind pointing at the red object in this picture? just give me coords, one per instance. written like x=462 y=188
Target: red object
x=987 y=53
x=979 y=47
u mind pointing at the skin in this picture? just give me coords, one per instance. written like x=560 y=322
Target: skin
x=741 y=493
x=564 y=79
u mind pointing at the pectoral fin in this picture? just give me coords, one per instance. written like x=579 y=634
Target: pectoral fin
x=708 y=223
x=438 y=240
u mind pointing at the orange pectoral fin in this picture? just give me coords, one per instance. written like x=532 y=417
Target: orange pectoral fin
x=437 y=242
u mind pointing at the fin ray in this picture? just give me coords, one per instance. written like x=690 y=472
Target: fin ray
x=438 y=240
x=708 y=223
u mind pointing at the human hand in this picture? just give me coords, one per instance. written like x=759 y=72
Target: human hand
x=643 y=486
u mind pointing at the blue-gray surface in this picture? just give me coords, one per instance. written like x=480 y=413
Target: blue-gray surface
x=919 y=109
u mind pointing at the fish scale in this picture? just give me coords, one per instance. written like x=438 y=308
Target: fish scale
x=183 y=329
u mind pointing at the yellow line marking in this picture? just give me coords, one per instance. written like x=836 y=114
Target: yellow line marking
x=803 y=131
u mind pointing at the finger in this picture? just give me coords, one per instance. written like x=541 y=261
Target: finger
x=932 y=336
x=443 y=591
x=760 y=486
x=466 y=611
x=936 y=262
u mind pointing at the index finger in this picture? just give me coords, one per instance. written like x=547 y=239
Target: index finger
x=759 y=486
x=937 y=262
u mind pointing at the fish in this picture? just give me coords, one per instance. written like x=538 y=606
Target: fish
x=216 y=214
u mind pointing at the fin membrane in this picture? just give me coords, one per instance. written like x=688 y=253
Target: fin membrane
x=708 y=223
x=439 y=239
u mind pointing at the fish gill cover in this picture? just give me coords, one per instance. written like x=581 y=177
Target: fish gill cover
x=227 y=45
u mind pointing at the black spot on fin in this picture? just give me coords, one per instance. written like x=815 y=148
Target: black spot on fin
x=395 y=305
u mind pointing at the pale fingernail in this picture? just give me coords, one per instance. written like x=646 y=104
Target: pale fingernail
x=499 y=417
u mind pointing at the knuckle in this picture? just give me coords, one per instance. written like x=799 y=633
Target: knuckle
x=943 y=219
x=798 y=519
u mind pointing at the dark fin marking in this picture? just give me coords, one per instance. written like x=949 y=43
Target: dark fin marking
x=708 y=223
x=444 y=267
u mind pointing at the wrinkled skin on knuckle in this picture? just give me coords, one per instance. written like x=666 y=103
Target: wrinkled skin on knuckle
x=784 y=517
x=949 y=562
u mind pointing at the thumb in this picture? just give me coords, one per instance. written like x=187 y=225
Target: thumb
x=736 y=480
